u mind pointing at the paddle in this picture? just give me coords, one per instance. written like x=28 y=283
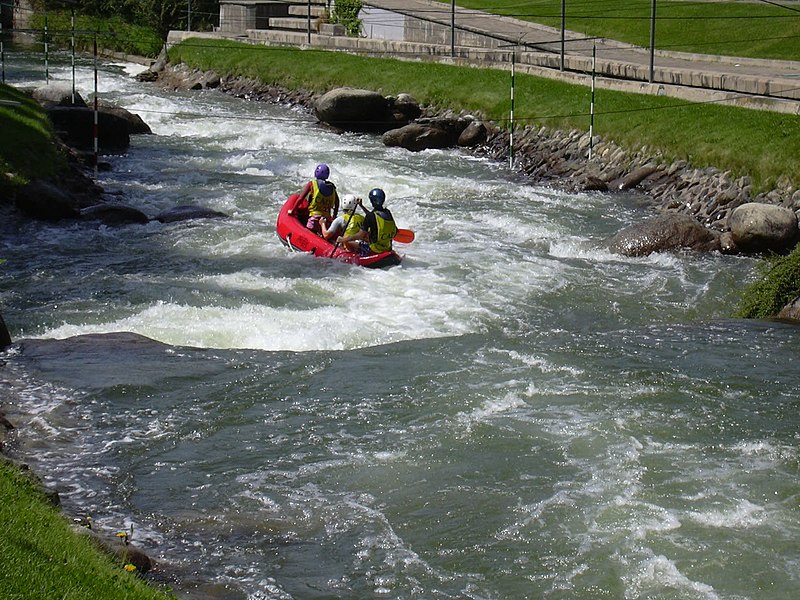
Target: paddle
x=346 y=225
x=404 y=236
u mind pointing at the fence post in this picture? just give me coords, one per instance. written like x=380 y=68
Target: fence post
x=511 y=116
x=46 y=56
x=96 y=110
x=652 y=42
x=591 y=106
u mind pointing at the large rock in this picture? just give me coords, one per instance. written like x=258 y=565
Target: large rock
x=352 y=109
x=115 y=214
x=75 y=127
x=404 y=108
x=188 y=211
x=757 y=227
x=669 y=231
x=57 y=94
x=136 y=124
x=417 y=137
x=45 y=200
x=425 y=134
x=791 y=311
x=474 y=134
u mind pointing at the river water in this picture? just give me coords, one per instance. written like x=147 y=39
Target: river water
x=513 y=412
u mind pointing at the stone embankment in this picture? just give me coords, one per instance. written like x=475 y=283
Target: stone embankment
x=73 y=195
x=672 y=189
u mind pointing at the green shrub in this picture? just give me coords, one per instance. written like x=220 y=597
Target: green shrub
x=779 y=285
x=113 y=33
x=346 y=12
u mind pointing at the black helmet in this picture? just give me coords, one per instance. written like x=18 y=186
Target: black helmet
x=377 y=198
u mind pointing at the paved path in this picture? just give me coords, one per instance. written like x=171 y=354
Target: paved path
x=765 y=78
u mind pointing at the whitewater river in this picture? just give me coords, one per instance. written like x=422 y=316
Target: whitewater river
x=513 y=412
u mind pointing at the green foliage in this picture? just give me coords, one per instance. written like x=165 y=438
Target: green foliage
x=44 y=559
x=159 y=16
x=27 y=146
x=346 y=13
x=761 y=144
x=779 y=285
x=753 y=29
x=113 y=33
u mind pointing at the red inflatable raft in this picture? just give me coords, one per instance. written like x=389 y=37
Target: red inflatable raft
x=298 y=238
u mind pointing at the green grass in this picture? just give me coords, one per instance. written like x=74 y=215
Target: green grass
x=761 y=144
x=751 y=29
x=27 y=147
x=779 y=285
x=42 y=558
x=112 y=33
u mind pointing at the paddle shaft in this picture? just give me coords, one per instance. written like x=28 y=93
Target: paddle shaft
x=346 y=225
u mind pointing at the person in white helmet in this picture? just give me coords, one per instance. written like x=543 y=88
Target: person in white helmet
x=347 y=223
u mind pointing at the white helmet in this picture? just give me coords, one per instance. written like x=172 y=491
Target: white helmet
x=349 y=202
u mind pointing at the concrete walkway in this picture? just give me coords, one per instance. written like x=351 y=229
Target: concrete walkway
x=541 y=46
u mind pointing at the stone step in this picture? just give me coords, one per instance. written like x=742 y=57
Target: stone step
x=302 y=11
x=293 y=23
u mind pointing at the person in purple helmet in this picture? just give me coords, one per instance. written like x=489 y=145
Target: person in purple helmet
x=323 y=201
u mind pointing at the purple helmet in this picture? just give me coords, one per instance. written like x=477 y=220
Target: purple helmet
x=322 y=172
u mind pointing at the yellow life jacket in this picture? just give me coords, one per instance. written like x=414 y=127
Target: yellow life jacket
x=321 y=205
x=386 y=232
x=355 y=224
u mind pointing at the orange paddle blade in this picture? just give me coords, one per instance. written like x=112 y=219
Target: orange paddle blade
x=404 y=236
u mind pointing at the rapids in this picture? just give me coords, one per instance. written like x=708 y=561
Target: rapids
x=513 y=412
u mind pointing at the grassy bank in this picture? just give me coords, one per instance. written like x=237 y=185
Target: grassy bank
x=756 y=30
x=27 y=147
x=44 y=559
x=760 y=144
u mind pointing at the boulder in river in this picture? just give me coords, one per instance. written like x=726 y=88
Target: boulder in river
x=75 y=126
x=45 y=200
x=425 y=134
x=136 y=124
x=669 y=231
x=358 y=110
x=188 y=211
x=58 y=94
x=115 y=214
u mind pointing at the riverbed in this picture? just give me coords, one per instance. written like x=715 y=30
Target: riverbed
x=513 y=412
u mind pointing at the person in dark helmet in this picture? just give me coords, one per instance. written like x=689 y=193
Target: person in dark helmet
x=377 y=230
x=323 y=201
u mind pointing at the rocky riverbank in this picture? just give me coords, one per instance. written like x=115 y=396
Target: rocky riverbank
x=692 y=206
x=73 y=194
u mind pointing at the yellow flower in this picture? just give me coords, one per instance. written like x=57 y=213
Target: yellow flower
x=130 y=568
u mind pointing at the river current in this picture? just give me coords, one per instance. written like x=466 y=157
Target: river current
x=514 y=412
